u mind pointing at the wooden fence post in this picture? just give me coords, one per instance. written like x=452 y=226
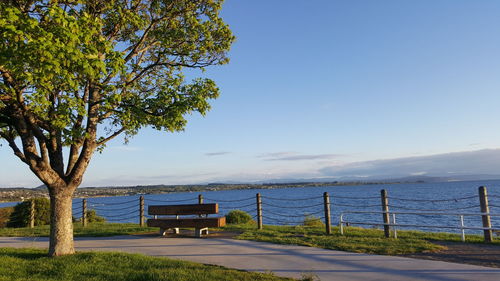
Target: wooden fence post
x=259 y=211
x=84 y=212
x=141 y=211
x=32 y=213
x=485 y=209
x=385 y=214
x=328 y=223
x=200 y=201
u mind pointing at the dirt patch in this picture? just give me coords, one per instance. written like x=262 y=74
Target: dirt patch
x=471 y=253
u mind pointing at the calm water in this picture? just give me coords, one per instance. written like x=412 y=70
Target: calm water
x=291 y=205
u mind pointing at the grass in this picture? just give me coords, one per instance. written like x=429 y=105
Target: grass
x=92 y=230
x=33 y=264
x=359 y=240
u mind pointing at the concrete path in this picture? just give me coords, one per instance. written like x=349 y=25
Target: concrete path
x=283 y=260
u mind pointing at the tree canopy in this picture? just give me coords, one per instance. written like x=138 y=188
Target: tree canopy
x=68 y=67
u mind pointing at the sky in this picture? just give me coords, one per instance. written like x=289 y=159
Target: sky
x=329 y=89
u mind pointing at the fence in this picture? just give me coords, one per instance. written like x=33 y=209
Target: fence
x=401 y=208
x=262 y=208
x=382 y=211
x=394 y=224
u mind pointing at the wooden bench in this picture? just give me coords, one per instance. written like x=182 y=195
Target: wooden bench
x=200 y=224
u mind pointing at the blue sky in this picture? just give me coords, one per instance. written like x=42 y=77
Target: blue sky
x=318 y=87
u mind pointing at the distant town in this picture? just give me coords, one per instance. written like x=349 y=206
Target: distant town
x=20 y=194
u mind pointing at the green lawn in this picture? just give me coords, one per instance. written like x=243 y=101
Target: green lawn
x=92 y=229
x=33 y=264
x=359 y=240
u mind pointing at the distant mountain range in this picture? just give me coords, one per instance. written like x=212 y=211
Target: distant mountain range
x=359 y=180
x=17 y=194
x=408 y=179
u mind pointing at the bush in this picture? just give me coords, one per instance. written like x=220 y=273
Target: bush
x=20 y=217
x=313 y=221
x=92 y=216
x=238 y=217
x=4 y=215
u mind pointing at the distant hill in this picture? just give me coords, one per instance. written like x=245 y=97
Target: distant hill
x=408 y=179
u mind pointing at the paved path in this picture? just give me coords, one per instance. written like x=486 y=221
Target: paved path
x=283 y=260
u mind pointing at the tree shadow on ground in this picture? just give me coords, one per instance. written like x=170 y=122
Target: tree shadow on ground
x=31 y=255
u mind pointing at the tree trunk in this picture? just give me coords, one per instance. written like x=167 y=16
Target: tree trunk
x=61 y=222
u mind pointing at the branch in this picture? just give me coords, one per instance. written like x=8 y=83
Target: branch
x=25 y=126
x=171 y=64
x=74 y=175
x=55 y=146
x=5 y=97
x=145 y=110
x=75 y=146
x=106 y=115
x=135 y=48
x=112 y=136
x=112 y=35
x=33 y=123
x=13 y=145
x=77 y=142
x=142 y=72
x=8 y=79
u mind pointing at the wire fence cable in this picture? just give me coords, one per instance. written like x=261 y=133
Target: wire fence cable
x=292 y=207
x=433 y=200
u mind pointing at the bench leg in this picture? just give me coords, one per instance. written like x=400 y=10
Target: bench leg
x=198 y=232
x=163 y=231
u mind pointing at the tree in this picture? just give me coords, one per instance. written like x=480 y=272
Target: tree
x=77 y=73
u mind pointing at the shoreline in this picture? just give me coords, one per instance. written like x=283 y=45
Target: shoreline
x=19 y=194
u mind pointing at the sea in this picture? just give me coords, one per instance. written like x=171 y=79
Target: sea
x=440 y=207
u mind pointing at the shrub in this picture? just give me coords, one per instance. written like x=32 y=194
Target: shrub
x=4 y=215
x=92 y=216
x=238 y=217
x=313 y=221
x=20 y=217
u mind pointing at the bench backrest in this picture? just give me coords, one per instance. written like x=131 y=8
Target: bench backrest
x=188 y=209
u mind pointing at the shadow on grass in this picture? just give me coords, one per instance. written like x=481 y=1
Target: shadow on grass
x=24 y=254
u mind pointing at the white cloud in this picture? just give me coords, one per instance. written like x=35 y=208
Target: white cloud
x=293 y=156
x=218 y=153
x=478 y=162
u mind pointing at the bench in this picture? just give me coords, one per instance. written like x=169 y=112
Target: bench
x=200 y=224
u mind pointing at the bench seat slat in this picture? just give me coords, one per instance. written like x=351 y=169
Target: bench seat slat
x=192 y=222
x=187 y=209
